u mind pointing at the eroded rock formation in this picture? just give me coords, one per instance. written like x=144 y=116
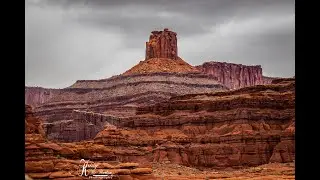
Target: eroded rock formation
x=245 y=127
x=119 y=95
x=268 y=80
x=50 y=160
x=33 y=125
x=162 y=44
x=162 y=65
x=235 y=76
x=35 y=96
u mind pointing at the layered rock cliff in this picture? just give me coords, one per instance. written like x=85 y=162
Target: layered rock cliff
x=235 y=76
x=154 y=65
x=245 y=127
x=49 y=160
x=34 y=96
x=155 y=153
x=33 y=125
x=119 y=95
x=268 y=80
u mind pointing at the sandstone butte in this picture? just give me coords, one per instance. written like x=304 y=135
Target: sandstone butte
x=173 y=121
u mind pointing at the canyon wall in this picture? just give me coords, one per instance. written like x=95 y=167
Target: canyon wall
x=32 y=123
x=245 y=127
x=34 y=96
x=45 y=159
x=83 y=125
x=119 y=95
x=235 y=76
x=268 y=80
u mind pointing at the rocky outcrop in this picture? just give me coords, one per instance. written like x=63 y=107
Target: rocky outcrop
x=245 y=127
x=33 y=125
x=50 y=160
x=162 y=44
x=34 y=96
x=268 y=80
x=159 y=65
x=119 y=95
x=83 y=125
x=235 y=76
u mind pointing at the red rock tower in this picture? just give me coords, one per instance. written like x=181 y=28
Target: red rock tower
x=162 y=44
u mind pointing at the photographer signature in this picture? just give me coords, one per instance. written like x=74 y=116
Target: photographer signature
x=88 y=165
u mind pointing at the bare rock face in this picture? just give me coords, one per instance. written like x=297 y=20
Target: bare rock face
x=118 y=96
x=234 y=76
x=83 y=126
x=162 y=44
x=162 y=65
x=53 y=160
x=35 y=96
x=33 y=125
x=268 y=80
x=245 y=127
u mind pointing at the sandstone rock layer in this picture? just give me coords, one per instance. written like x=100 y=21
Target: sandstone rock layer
x=245 y=127
x=35 y=96
x=162 y=44
x=51 y=160
x=162 y=65
x=116 y=96
x=235 y=76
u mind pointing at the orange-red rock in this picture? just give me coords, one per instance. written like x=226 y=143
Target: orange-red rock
x=235 y=76
x=162 y=44
x=54 y=160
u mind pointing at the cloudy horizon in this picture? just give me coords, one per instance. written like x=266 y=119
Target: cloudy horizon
x=80 y=40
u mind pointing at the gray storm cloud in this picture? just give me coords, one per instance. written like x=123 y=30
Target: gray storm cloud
x=71 y=40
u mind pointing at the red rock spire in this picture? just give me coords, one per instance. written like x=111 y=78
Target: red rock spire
x=162 y=44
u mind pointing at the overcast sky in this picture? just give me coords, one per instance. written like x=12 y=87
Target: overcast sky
x=76 y=40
